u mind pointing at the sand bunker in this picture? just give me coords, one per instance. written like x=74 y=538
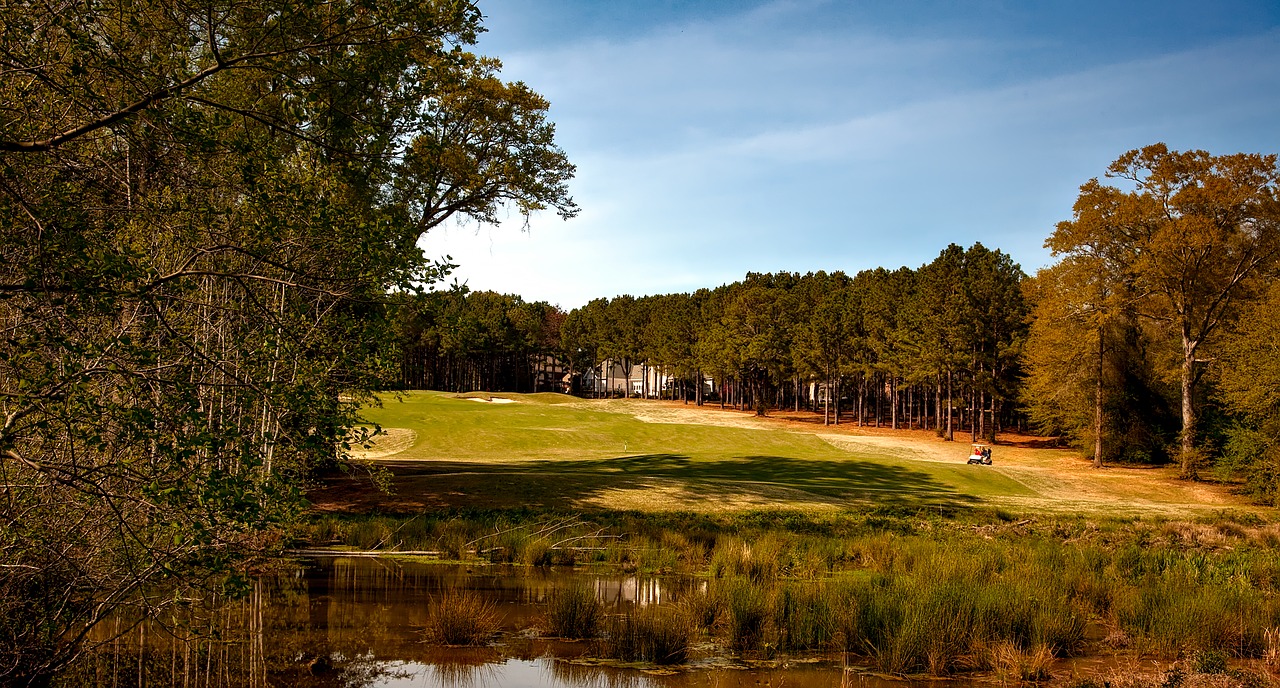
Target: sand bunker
x=492 y=400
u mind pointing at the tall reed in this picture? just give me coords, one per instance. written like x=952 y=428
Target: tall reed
x=649 y=634
x=575 y=612
x=461 y=617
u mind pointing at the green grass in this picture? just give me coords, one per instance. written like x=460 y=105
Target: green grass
x=552 y=451
x=548 y=448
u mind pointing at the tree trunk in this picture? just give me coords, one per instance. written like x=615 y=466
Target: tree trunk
x=826 y=401
x=1188 y=410
x=893 y=401
x=835 y=392
x=1097 y=408
x=982 y=413
x=937 y=404
x=975 y=405
x=879 y=389
x=862 y=397
x=951 y=434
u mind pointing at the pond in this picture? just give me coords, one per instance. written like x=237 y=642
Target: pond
x=358 y=622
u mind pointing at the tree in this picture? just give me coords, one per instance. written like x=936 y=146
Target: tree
x=1247 y=380
x=822 y=339
x=941 y=305
x=1075 y=303
x=204 y=212
x=1195 y=233
x=995 y=328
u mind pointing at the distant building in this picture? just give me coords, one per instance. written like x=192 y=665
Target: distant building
x=550 y=374
x=616 y=378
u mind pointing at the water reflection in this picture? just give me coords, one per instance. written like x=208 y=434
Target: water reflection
x=355 y=623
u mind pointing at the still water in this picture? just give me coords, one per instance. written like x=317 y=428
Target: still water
x=357 y=623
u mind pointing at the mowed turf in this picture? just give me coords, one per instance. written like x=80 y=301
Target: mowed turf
x=553 y=451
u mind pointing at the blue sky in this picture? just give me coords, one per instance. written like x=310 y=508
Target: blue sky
x=717 y=138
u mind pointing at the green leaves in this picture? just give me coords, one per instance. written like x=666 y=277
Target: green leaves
x=205 y=212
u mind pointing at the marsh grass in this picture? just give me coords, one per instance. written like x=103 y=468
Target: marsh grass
x=649 y=634
x=807 y=617
x=461 y=617
x=749 y=615
x=913 y=592
x=704 y=607
x=758 y=560
x=1011 y=663
x=575 y=612
x=1271 y=651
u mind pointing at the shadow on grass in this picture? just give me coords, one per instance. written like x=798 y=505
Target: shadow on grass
x=693 y=484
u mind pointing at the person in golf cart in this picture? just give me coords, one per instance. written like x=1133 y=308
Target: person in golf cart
x=981 y=455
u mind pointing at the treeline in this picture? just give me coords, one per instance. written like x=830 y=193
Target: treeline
x=935 y=347
x=460 y=341
x=1154 y=338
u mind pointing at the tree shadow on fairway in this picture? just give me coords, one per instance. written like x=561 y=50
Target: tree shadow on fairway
x=662 y=481
x=807 y=480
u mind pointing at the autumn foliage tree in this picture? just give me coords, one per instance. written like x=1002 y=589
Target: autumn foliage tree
x=1193 y=235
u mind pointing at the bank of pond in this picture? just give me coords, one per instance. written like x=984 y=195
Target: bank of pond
x=1010 y=601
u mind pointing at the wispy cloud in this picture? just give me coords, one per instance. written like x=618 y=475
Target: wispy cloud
x=718 y=146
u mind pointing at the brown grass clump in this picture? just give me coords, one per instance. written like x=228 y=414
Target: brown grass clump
x=650 y=634
x=1195 y=534
x=1010 y=662
x=461 y=617
x=575 y=612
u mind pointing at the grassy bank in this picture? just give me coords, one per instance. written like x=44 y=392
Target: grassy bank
x=911 y=591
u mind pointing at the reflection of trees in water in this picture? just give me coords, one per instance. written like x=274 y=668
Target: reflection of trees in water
x=466 y=667
x=585 y=676
x=344 y=623
x=267 y=637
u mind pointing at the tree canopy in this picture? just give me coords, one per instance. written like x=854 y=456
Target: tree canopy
x=1192 y=238
x=205 y=209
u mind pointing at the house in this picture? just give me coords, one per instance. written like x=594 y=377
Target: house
x=619 y=377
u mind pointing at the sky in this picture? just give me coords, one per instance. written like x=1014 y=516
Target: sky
x=713 y=139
